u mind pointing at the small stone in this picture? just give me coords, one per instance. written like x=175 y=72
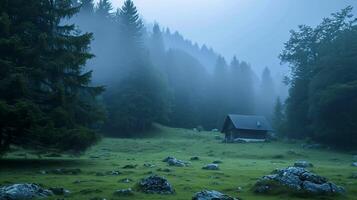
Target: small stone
x=217 y=162
x=114 y=173
x=354 y=164
x=60 y=191
x=303 y=164
x=124 y=192
x=211 y=166
x=126 y=180
x=211 y=195
x=175 y=162
x=148 y=165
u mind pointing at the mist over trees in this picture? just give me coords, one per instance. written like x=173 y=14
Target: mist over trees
x=71 y=69
x=322 y=97
x=190 y=85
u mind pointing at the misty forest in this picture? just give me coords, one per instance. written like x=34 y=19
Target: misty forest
x=97 y=102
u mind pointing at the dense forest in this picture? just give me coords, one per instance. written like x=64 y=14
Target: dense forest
x=71 y=71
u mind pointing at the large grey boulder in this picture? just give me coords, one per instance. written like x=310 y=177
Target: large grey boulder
x=23 y=191
x=155 y=185
x=211 y=195
x=296 y=179
x=172 y=161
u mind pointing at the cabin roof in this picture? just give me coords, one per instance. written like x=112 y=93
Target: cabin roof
x=248 y=122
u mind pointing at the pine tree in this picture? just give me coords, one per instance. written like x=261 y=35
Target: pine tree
x=54 y=104
x=157 y=48
x=266 y=96
x=278 y=117
x=131 y=26
x=104 y=9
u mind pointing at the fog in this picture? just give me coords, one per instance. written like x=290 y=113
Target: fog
x=217 y=56
x=254 y=30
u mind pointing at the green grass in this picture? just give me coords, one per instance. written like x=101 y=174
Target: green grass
x=242 y=165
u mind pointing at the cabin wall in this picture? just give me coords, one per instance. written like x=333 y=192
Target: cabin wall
x=232 y=134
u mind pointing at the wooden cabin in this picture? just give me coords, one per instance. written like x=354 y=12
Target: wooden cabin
x=246 y=128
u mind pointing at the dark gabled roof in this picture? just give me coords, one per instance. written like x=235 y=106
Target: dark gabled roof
x=248 y=122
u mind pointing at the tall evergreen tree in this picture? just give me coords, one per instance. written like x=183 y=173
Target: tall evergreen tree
x=141 y=97
x=266 y=95
x=54 y=104
x=131 y=26
x=104 y=9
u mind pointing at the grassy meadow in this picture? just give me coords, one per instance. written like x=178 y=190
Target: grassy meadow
x=242 y=165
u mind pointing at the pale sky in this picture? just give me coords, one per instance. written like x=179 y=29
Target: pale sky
x=254 y=30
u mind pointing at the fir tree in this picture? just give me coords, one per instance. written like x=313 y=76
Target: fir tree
x=54 y=104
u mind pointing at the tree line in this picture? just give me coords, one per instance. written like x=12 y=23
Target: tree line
x=189 y=85
x=323 y=90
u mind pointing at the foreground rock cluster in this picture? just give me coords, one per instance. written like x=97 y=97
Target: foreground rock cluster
x=155 y=185
x=23 y=192
x=297 y=179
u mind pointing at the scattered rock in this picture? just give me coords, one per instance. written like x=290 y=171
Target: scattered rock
x=126 y=180
x=303 y=164
x=60 y=191
x=113 y=173
x=211 y=195
x=124 y=192
x=148 y=165
x=194 y=158
x=217 y=162
x=296 y=179
x=155 y=185
x=130 y=166
x=354 y=164
x=214 y=130
x=211 y=166
x=175 y=162
x=23 y=192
